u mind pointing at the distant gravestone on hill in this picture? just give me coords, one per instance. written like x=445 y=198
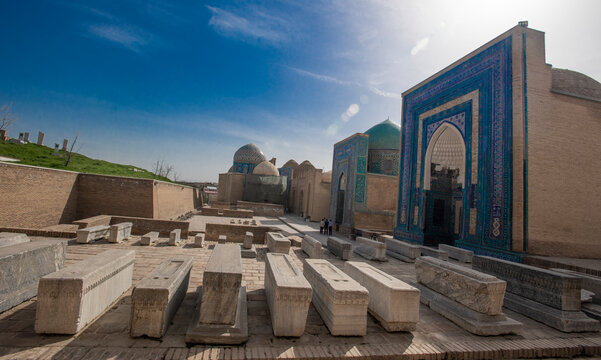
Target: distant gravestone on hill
x=40 y=138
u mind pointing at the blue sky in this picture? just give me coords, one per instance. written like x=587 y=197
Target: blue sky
x=189 y=82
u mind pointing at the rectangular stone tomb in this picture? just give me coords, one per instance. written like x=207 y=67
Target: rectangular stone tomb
x=341 y=248
x=175 y=237
x=210 y=211
x=394 y=303
x=547 y=296
x=370 y=249
x=435 y=253
x=312 y=247
x=71 y=298
x=149 y=238
x=277 y=243
x=199 y=240
x=247 y=248
x=92 y=233
x=8 y=238
x=288 y=295
x=459 y=254
x=120 y=232
x=340 y=301
x=221 y=316
x=222 y=239
x=468 y=298
x=156 y=298
x=591 y=283
x=22 y=265
x=402 y=250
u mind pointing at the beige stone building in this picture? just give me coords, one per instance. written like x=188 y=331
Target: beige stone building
x=500 y=154
x=310 y=191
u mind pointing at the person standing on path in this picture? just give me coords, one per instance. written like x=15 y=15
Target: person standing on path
x=330 y=227
x=321 y=225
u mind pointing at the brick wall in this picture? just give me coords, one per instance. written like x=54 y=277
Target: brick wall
x=245 y=214
x=373 y=221
x=261 y=209
x=34 y=197
x=172 y=200
x=382 y=192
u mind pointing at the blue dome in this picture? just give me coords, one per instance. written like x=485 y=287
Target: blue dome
x=385 y=135
x=249 y=154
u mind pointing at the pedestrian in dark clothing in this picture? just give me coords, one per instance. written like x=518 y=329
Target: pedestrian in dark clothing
x=330 y=227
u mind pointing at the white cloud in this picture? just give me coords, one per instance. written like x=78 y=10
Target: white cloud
x=351 y=111
x=257 y=26
x=420 y=45
x=127 y=36
x=383 y=93
x=320 y=77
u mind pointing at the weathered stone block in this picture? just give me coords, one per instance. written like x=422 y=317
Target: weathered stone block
x=312 y=247
x=370 y=249
x=394 y=303
x=8 y=238
x=149 y=238
x=288 y=295
x=277 y=243
x=72 y=297
x=156 y=298
x=199 y=240
x=207 y=211
x=221 y=283
x=341 y=248
x=220 y=316
x=22 y=265
x=175 y=237
x=248 y=253
x=435 y=253
x=561 y=291
x=456 y=253
x=92 y=233
x=340 y=300
x=589 y=282
x=222 y=239
x=402 y=250
x=248 y=240
x=120 y=232
x=478 y=291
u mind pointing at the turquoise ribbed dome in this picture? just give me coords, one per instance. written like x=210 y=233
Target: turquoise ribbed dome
x=385 y=135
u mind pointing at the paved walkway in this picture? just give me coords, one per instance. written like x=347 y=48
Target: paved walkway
x=108 y=337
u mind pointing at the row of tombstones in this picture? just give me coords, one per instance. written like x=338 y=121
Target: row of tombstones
x=118 y=233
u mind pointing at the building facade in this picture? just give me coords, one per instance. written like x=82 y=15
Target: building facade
x=310 y=192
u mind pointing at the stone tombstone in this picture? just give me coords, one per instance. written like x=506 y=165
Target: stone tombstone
x=394 y=303
x=459 y=254
x=550 y=297
x=156 y=298
x=93 y=233
x=222 y=239
x=402 y=250
x=40 y=138
x=278 y=243
x=65 y=144
x=341 y=248
x=432 y=252
x=120 y=232
x=21 y=137
x=9 y=238
x=71 y=298
x=149 y=238
x=248 y=240
x=247 y=248
x=23 y=264
x=589 y=282
x=312 y=247
x=175 y=237
x=221 y=314
x=340 y=301
x=199 y=240
x=288 y=295
x=471 y=299
x=26 y=137
x=370 y=249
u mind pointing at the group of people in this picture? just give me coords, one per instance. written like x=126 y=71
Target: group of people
x=325 y=226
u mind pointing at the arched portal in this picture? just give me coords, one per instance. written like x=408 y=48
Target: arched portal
x=444 y=183
x=340 y=199
x=300 y=204
x=308 y=209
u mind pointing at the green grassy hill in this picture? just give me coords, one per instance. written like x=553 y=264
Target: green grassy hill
x=38 y=155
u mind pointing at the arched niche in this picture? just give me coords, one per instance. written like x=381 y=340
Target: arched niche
x=446 y=148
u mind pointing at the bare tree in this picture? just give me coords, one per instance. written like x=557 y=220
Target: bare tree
x=6 y=116
x=69 y=152
x=162 y=170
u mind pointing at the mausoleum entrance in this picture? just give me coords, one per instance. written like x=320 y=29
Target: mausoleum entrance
x=340 y=199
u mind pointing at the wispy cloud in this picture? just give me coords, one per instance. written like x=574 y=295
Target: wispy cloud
x=420 y=45
x=351 y=111
x=129 y=37
x=320 y=77
x=256 y=26
x=383 y=93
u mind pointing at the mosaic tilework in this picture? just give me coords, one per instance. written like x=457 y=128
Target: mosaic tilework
x=377 y=159
x=243 y=168
x=489 y=72
x=249 y=154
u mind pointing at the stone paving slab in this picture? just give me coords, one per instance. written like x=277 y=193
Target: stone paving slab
x=434 y=337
